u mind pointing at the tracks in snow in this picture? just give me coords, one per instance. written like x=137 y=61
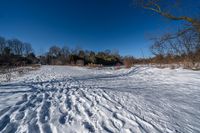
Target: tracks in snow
x=69 y=106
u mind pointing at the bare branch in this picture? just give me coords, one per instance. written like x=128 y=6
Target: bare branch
x=154 y=5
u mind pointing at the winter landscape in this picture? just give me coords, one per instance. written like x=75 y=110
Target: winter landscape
x=99 y=66
x=64 y=99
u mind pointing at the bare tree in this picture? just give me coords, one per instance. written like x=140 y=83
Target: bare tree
x=65 y=51
x=185 y=46
x=27 y=49
x=54 y=51
x=155 y=6
x=16 y=46
x=2 y=44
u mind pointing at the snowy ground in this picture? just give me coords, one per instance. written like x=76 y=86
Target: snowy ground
x=58 y=99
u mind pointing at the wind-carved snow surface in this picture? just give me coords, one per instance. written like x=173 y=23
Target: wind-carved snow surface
x=59 y=99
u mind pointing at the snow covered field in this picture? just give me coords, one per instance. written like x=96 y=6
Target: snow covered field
x=63 y=99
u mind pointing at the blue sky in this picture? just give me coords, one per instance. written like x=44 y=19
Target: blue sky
x=89 y=24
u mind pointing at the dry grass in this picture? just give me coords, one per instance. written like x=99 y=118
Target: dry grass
x=8 y=73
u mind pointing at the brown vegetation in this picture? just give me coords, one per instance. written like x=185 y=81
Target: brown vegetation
x=182 y=47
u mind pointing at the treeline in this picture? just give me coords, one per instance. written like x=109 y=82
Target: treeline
x=78 y=56
x=177 y=48
x=14 y=52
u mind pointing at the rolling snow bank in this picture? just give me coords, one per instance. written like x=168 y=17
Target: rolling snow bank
x=63 y=99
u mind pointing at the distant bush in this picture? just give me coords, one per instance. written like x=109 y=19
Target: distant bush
x=128 y=62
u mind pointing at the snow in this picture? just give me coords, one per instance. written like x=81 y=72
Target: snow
x=64 y=99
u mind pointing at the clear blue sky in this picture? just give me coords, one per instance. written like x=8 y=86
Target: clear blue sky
x=90 y=24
